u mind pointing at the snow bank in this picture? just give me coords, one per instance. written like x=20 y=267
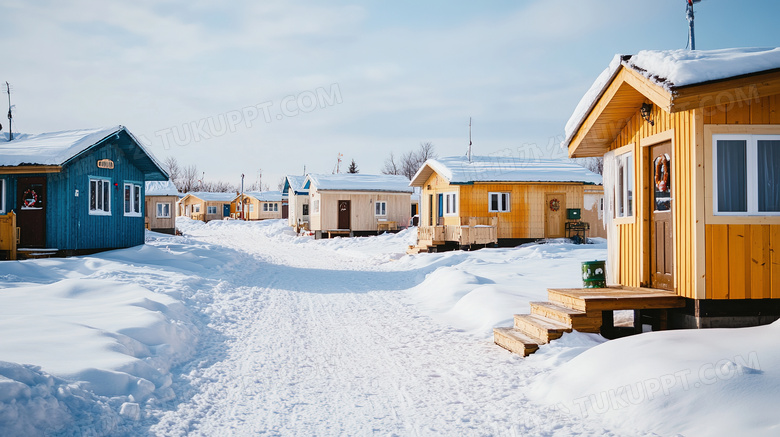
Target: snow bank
x=477 y=291
x=710 y=382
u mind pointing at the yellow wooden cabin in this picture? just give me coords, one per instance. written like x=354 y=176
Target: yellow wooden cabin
x=489 y=199
x=261 y=205
x=206 y=206
x=691 y=143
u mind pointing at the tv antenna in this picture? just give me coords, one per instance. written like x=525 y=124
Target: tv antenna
x=689 y=16
x=338 y=163
x=10 y=130
x=469 y=152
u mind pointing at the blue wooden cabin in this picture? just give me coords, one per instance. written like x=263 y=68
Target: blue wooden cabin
x=78 y=191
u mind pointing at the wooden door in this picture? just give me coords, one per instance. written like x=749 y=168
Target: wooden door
x=661 y=243
x=31 y=212
x=344 y=214
x=440 y=212
x=285 y=210
x=554 y=215
x=430 y=210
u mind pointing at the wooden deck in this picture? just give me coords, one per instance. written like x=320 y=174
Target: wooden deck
x=472 y=231
x=584 y=310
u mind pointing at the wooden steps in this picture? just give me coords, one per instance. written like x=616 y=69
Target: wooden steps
x=580 y=310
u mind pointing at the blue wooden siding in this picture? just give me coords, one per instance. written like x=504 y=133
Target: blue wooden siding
x=69 y=226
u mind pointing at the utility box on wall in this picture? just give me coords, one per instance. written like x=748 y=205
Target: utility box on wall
x=573 y=213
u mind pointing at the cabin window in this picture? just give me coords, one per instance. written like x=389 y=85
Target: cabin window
x=132 y=199
x=251 y=207
x=624 y=185
x=380 y=208
x=305 y=209
x=211 y=210
x=2 y=196
x=498 y=202
x=195 y=208
x=450 y=204
x=100 y=197
x=163 y=210
x=746 y=174
x=265 y=207
x=276 y=207
x=316 y=206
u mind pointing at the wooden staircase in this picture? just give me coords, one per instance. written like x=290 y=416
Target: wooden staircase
x=584 y=310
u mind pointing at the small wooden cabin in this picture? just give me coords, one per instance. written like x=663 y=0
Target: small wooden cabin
x=298 y=200
x=260 y=205
x=357 y=204
x=691 y=147
x=206 y=206
x=160 y=212
x=492 y=199
x=77 y=191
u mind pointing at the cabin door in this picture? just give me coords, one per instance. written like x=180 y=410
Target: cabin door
x=31 y=212
x=553 y=217
x=285 y=210
x=344 y=214
x=430 y=210
x=661 y=243
x=225 y=210
x=440 y=212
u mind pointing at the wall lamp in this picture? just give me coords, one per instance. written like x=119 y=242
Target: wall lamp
x=646 y=111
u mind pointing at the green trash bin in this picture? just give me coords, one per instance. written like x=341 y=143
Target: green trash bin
x=593 y=274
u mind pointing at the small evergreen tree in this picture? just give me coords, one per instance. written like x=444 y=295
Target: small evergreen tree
x=353 y=168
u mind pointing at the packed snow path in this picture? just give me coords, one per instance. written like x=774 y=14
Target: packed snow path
x=320 y=340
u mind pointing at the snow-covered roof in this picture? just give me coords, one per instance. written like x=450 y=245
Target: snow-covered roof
x=294 y=183
x=459 y=170
x=264 y=196
x=359 y=182
x=212 y=197
x=161 y=188
x=57 y=148
x=673 y=69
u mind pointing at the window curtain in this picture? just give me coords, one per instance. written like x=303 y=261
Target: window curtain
x=613 y=233
x=769 y=176
x=732 y=175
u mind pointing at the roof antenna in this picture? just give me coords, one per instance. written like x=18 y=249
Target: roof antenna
x=469 y=153
x=689 y=16
x=10 y=130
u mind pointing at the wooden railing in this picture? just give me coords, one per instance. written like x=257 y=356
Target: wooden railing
x=198 y=216
x=9 y=234
x=472 y=230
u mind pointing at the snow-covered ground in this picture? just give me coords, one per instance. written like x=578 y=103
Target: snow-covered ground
x=244 y=328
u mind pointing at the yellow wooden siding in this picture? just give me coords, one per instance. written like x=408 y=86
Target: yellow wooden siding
x=743 y=261
x=526 y=216
x=634 y=262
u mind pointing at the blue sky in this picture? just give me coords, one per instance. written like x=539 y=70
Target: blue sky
x=388 y=75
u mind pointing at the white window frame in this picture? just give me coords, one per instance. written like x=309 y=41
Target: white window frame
x=315 y=206
x=196 y=208
x=2 y=196
x=751 y=160
x=103 y=185
x=135 y=190
x=627 y=183
x=276 y=207
x=305 y=209
x=265 y=207
x=209 y=209
x=160 y=210
x=504 y=201
x=380 y=208
x=450 y=204
x=250 y=207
